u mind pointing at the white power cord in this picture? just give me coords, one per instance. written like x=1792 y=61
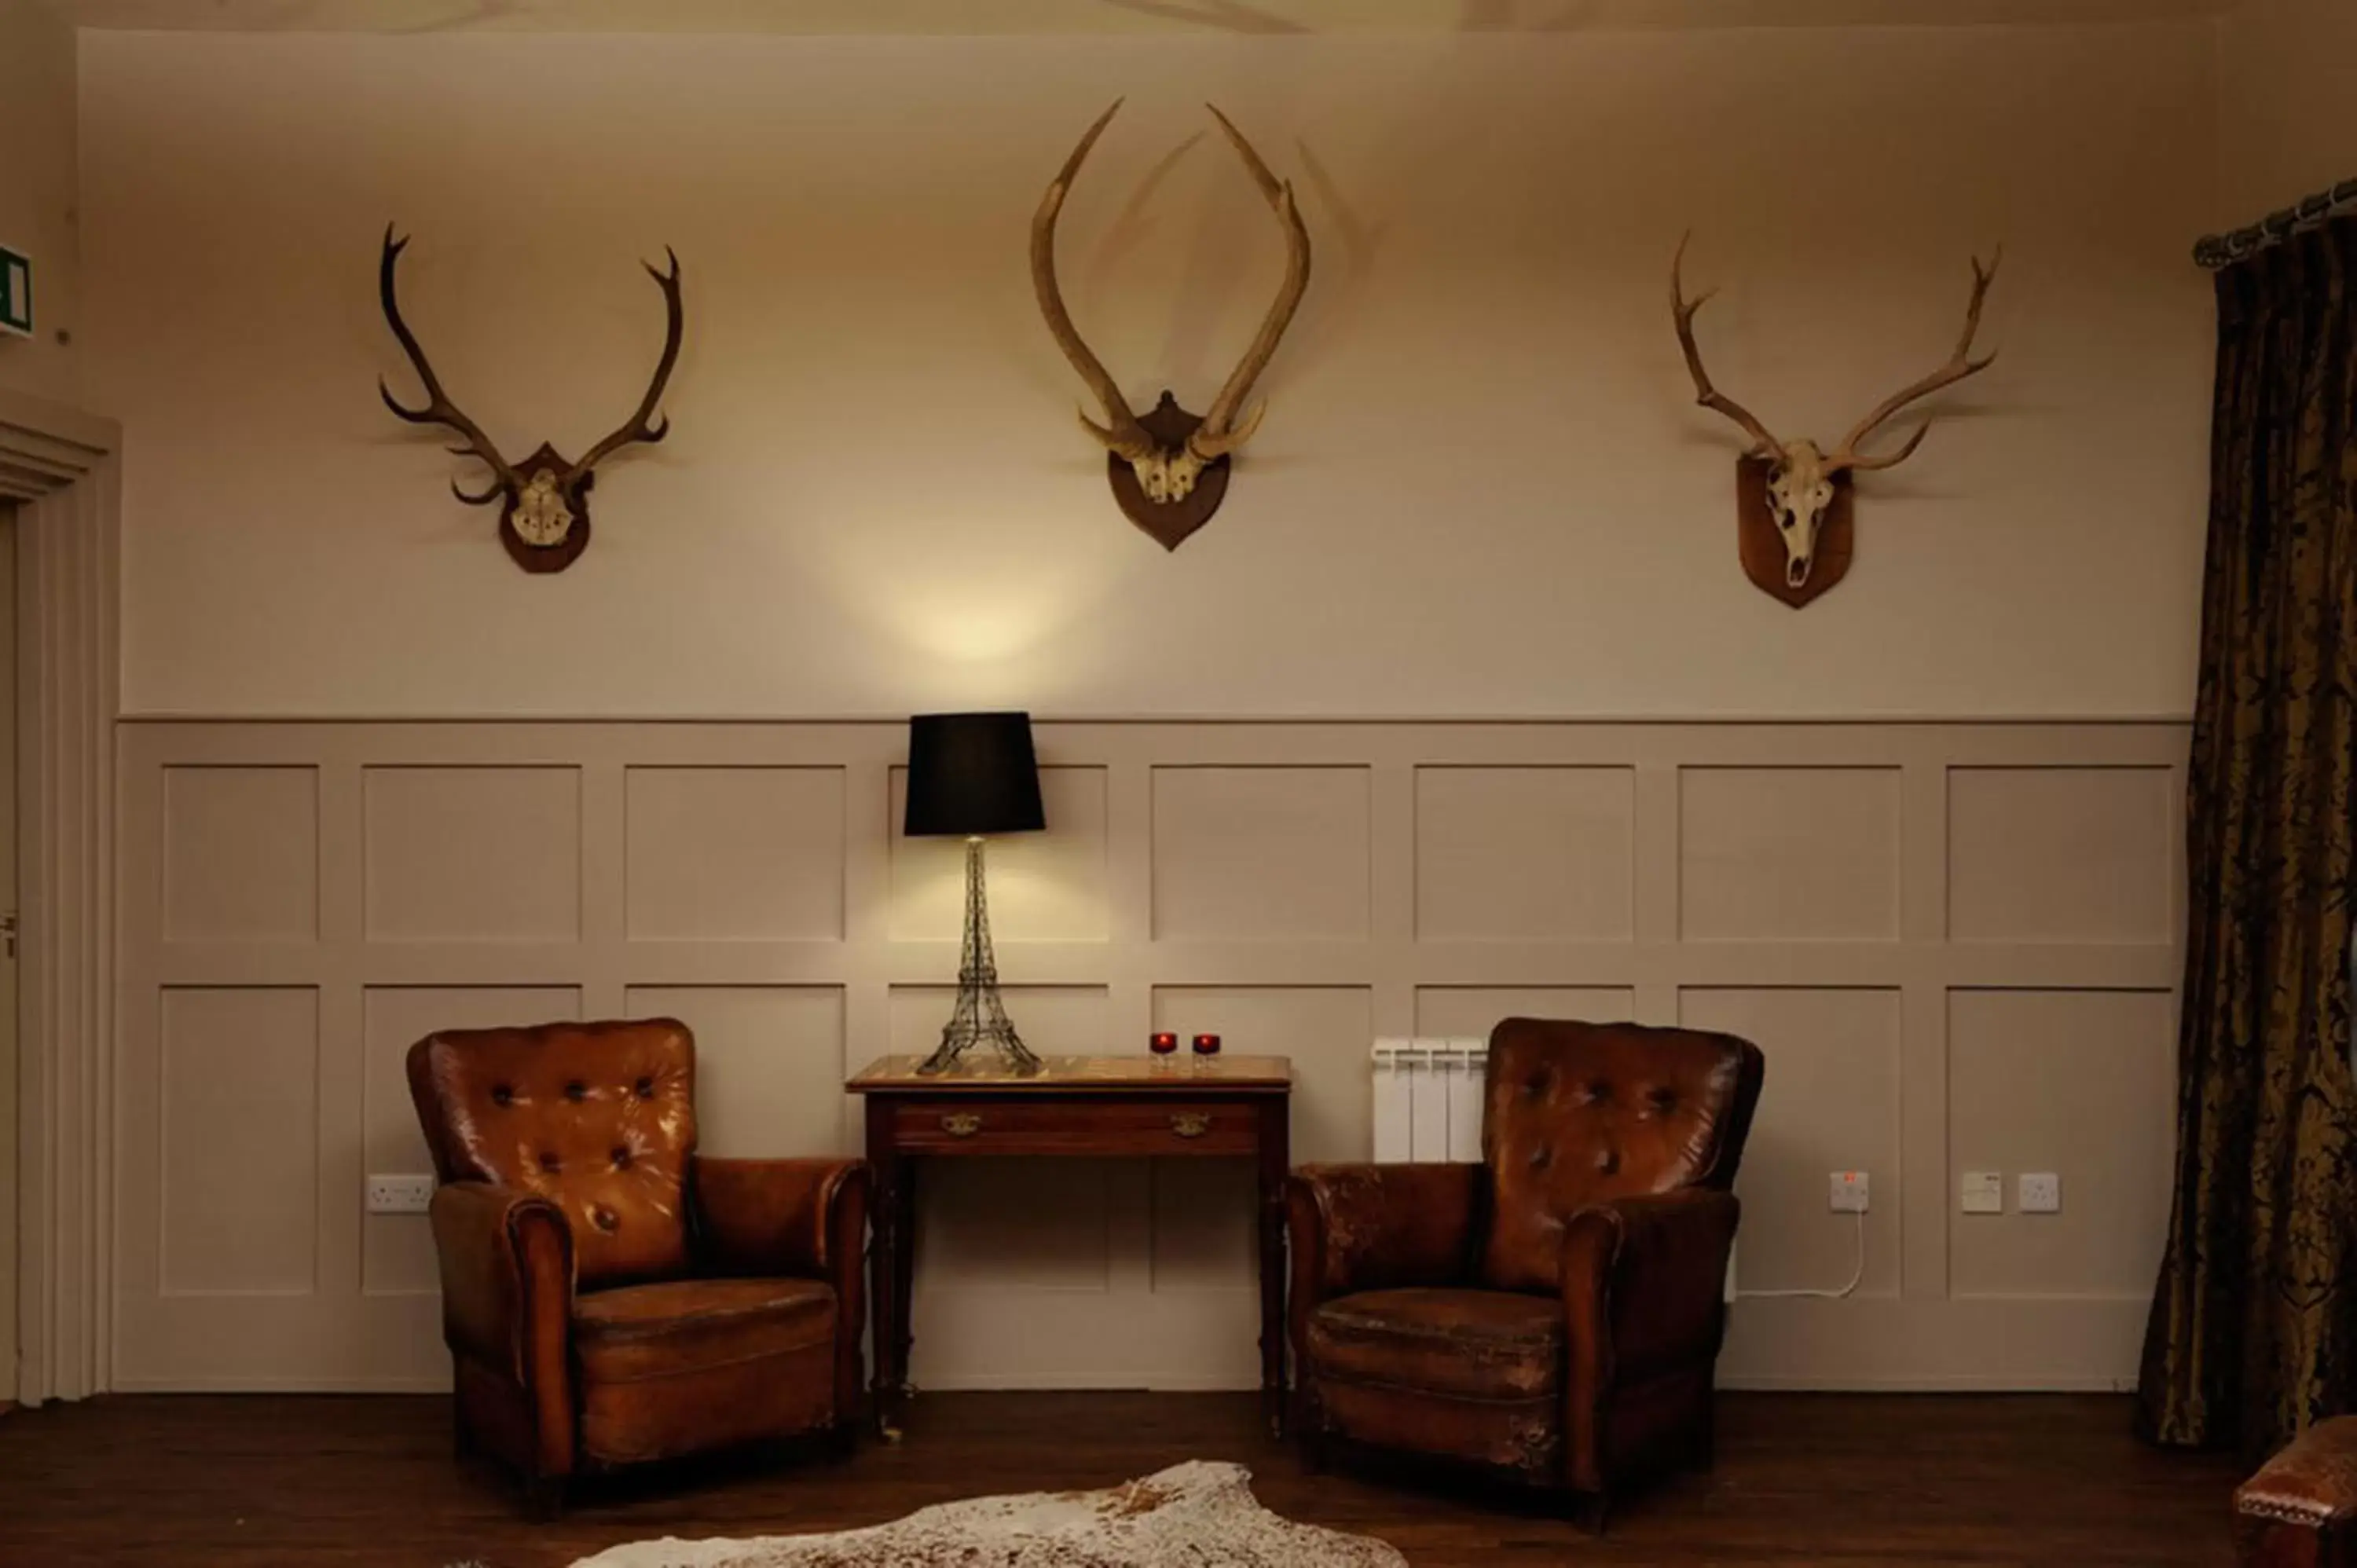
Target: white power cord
x=1856 y=1277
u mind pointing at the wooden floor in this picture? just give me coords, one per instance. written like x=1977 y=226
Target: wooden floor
x=1825 y=1480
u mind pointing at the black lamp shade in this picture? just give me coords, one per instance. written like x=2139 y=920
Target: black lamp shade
x=970 y=774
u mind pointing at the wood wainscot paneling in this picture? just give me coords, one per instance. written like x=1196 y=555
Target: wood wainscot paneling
x=1957 y=944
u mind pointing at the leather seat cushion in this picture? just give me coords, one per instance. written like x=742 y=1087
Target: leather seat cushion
x=1467 y=1343
x=677 y=1326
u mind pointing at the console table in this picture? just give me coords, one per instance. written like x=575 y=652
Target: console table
x=1184 y=1107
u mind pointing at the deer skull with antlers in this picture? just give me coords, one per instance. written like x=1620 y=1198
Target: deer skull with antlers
x=543 y=501
x=1169 y=468
x=1791 y=488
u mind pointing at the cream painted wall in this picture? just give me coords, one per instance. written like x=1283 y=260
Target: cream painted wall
x=36 y=190
x=1482 y=487
x=2288 y=121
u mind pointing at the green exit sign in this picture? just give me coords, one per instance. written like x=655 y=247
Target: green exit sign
x=16 y=293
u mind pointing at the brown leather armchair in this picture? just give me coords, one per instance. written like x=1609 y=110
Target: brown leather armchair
x=609 y=1295
x=1555 y=1310
x=2301 y=1510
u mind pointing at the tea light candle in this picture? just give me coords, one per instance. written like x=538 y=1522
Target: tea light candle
x=1163 y=1043
x=1207 y=1045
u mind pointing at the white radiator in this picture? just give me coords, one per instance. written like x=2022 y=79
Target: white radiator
x=1428 y=1099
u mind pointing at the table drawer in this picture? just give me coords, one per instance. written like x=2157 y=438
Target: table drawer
x=1078 y=1126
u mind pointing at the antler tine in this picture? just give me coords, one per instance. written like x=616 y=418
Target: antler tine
x=439 y=409
x=1121 y=432
x=1961 y=366
x=1764 y=442
x=1220 y=434
x=638 y=429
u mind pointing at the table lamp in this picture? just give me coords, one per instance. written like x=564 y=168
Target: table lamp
x=973 y=775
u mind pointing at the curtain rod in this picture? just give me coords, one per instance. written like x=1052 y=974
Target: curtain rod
x=2217 y=251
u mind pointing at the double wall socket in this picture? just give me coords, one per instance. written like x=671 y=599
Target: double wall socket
x=399 y=1194
x=2037 y=1192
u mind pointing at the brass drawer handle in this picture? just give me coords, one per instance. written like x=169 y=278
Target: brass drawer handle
x=1190 y=1124
x=961 y=1126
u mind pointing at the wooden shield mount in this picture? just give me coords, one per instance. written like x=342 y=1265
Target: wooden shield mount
x=1169 y=524
x=575 y=498
x=1761 y=543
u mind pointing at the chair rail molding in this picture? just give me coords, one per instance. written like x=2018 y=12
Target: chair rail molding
x=59 y=466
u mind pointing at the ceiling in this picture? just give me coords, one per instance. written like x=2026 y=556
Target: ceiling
x=1000 y=17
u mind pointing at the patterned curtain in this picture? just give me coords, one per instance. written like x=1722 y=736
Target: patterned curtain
x=2254 y=1326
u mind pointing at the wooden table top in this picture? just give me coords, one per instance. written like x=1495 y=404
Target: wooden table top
x=1125 y=1074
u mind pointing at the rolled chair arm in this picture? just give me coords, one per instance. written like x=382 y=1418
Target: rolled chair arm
x=1355 y=1228
x=507 y=1307
x=507 y=1271
x=1644 y=1296
x=793 y=1218
x=805 y=1219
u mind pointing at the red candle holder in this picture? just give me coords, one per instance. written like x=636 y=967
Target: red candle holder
x=1207 y=1045
x=1163 y=1043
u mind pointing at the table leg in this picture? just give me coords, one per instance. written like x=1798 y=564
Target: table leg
x=1276 y=1164
x=888 y=1172
x=904 y=1268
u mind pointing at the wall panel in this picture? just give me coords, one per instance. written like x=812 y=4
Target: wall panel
x=238 y=1143
x=1784 y=853
x=267 y=821
x=1533 y=854
x=2079 y=1083
x=2060 y=854
x=477 y=853
x=734 y=854
x=1837 y=1057
x=1476 y=1009
x=1300 y=888
x=1261 y=851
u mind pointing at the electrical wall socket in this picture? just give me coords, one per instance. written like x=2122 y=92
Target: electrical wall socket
x=2040 y=1192
x=1982 y=1192
x=399 y=1194
x=1849 y=1192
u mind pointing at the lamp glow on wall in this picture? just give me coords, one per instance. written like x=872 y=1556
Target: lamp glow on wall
x=973 y=775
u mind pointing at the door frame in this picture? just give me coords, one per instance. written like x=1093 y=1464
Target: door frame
x=61 y=467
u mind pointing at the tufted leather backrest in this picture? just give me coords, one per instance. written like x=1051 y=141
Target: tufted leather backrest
x=1581 y=1114
x=598 y=1118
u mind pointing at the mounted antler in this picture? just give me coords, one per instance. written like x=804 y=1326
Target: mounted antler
x=439 y=409
x=1169 y=453
x=1764 y=440
x=1122 y=433
x=1802 y=481
x=637 y=430
x=1961 y=366
x=544 y=510
x=1220 y=434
